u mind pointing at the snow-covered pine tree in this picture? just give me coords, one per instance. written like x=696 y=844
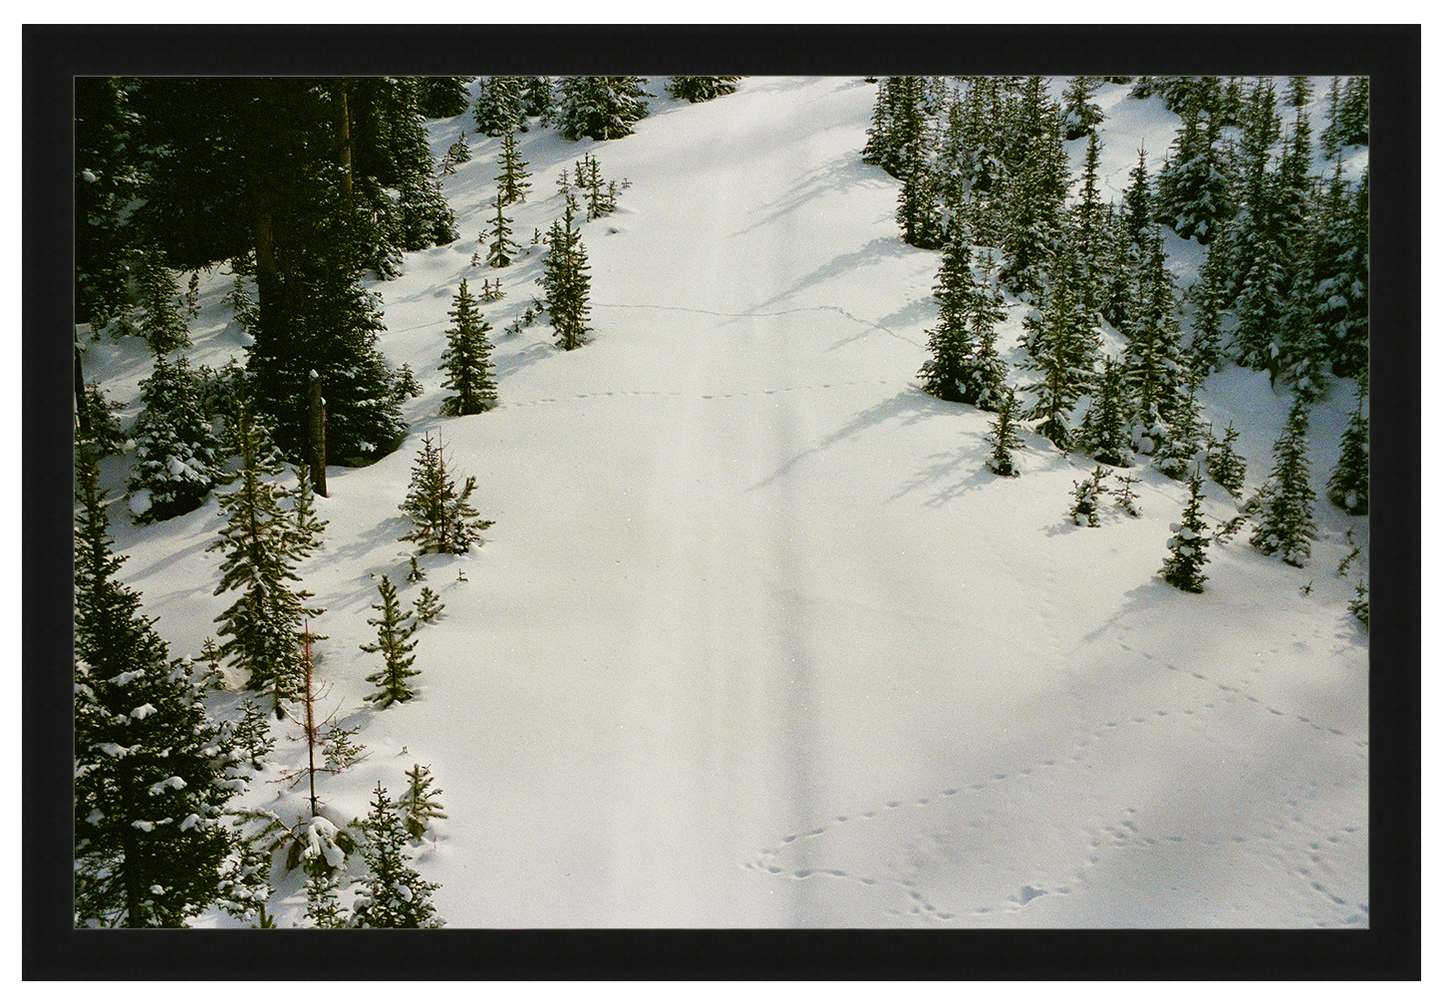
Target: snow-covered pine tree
x=428 y=605
x=512 y=184
x=949 y=343
x=1226 y=467
x=394 y=643
x=1086 y=499
x=1153 y=367
x=1090 y=239
x=499 y=106
x=1003 y=435
x=252 y=734
x=565 y=279
x=1033 y=208
x=1353 y=120
x=261 y=630
x=1360 y=605
x=153 y=772
x=418 y=805
x=1081 y=114
x=1208 y=297
x=393 y=894
x=599 y=108
x=460 y=152
x=695 y=89
x=425 y=216
x=537 y=97
x=176 y=463
x=1287 y=523
x=1349 y=486
x=467 y=360
x=1184 y=566
x=1186 y=437
x=1104 y=432
x=323 y=906
x=308 y=525
x=445 y=519
x=96 y=421
x=1194 y=185
x=1064 y=342
x=502 y=247
x=159 y=318
x=442 y=97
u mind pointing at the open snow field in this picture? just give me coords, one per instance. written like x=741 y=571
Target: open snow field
x=757 y=640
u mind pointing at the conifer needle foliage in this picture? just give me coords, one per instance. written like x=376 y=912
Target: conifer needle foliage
x=443 y=516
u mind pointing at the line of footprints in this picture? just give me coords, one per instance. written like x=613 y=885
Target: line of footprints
x=680 y=394
x=1120 y=833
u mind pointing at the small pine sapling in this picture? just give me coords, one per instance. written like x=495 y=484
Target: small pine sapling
x=444 y=518
x=340 y=749
x=1360 y=605
x=1349 y=486
x=1086 y=499
x=393 y=894
x=252 y=734
x=393 y=641
x=416 y=573
x=323 y=907
x=428 y=606
x=407 y=385
x=418 y=805
x=1184 y=567
x=1226 y=467
x=105 y=435
x=1287 y=523
x=1003 y=435
x=1125 y=496
x=1353 y=554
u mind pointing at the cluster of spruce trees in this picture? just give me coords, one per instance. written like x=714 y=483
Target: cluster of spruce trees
x=301 y=186
x=1284 y=287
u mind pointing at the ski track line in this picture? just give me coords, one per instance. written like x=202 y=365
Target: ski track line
x=767 y=314
x=682 y=394
x=1118 y=831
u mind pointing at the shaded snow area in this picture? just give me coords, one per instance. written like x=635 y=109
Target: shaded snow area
x=757 y=639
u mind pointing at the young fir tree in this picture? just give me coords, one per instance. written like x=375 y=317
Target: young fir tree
x=1352 y=123
x=1064 y=342
x=565 y=279
x=1086 y=499
x=1349 y=486
x=252 y=734
x=442 y=97
x=1153 y=359
x=537 y=98
x=418 y=805
x=512 y=184
x=444 y=518
x=393 y=894
x=1287 y=524
x=1360 y=605
x=1090 y=239
x=499 y=106
x=97 y=423
x=1177 y=457
x=262 y=630
x=502 y=247
x=153 y=772
x=1003 y=435
x=1184 y=566
x=323 y=906
x=394 y=643
x=428 y=605
x=1033 y=208
x=425 y=216
x=308 y=526
x=467 y=360
x=1104 y=432
x=176 y=463
x=460 y=152
x=1226 y=467
x=1081 y=114
x=159 y=318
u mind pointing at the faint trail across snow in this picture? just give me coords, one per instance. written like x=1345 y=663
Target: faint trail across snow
x=766 y=314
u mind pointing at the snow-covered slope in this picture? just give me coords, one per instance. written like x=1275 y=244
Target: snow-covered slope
x=757 y=639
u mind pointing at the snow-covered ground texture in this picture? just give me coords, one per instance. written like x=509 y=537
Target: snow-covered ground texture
x=757 y=640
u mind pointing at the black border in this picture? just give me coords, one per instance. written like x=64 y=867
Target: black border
x=1390 y=949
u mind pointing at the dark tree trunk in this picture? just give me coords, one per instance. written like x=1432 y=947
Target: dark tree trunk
x=318 y=436
x=81 y=418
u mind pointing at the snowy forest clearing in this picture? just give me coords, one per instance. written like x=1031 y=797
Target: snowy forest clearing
x=757 y=639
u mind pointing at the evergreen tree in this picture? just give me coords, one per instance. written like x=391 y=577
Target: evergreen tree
x=308 y=526
x=1153 y=360
x=418 y=805
x=1086 y=499
x=1226 y=467
x=1034 y=200
x=98 y=426
x=1104 y=432
x=107 y=184
x=393 y=894
x=460 y=152
x=537 y=99
x=1184 y=567
x=1298 y=93
x=176 y=450
x=599 y=108
x=1064 y=342
x=1090 y=239
x=252 y=734
x=262 y=630
x=565 y=280
x=323 y=907
x=1208 y=297
x=1349 y=486
x=1003 y=435
x=695 y=89
x=426 y=218
x=1360 y=605
x=428 y=605
x=898 y=120
x=499 y=252
x=1287 y=524
x=1330 y=135
x=159 y=320
x=153 y=772
x=444 y=518
x=499 y=106
x=1352 y=124
x=1186 y=437
x=442 y=97
x=467 y=360
x=1081 y=115
x=1194 y=185
x=512 y=184
x=394 y=643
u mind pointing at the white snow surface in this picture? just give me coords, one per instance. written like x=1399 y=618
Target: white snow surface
x=757 y=639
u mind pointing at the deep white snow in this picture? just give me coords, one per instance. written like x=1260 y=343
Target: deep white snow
x=757 y=639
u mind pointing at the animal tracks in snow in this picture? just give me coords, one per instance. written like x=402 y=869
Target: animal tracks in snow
x=713 y=396
x=986 y=849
